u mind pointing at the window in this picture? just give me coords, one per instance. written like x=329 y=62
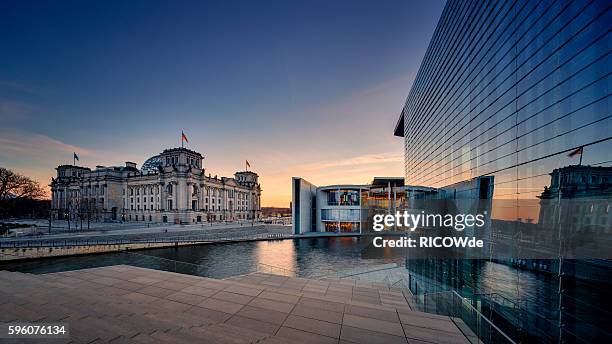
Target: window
x=343 y=197
x=169 y=189
x=169 y=204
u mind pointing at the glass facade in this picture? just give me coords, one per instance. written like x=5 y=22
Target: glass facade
x=507 y=88
x=342 y=227
x=341 y=215
x=519 y=91
x=343 y=197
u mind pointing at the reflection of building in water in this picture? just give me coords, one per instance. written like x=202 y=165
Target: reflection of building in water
x=170 y=187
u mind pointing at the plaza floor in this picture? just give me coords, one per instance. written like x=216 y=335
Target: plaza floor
x=125 y=304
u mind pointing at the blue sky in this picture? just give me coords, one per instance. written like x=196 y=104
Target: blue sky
x=308 y=88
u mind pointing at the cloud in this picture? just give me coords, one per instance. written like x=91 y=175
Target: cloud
x=367 y=159
x=13 y=110
x=358 y=169
x=23 y=88
x=37 y=156
x=16 y=144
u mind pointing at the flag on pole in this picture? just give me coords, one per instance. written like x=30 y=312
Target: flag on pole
x=75 y=157
x=577 y=151
x=183 y=138
x=247 y=164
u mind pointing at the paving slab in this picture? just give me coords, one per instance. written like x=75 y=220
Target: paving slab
x=433 y=336
x=263 y=314
x=232 y=297
x=373 y=325
x=298 y=336
x=253 y=324
x=363 y=336
x=123 y=304
x=220 y=305
x=373 y=313
x=317 y=313
x=312 y=325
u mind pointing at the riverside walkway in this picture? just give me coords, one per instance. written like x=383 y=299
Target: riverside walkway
x=172 y=233
x=125 y=304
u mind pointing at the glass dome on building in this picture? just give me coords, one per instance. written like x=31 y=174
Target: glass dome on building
x=151 y=164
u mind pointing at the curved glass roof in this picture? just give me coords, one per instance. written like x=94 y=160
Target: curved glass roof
x=151 y=164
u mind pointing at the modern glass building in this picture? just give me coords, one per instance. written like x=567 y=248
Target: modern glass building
x=519 y=92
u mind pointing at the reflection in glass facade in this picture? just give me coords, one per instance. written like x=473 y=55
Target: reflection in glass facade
x=343 y=197
x=341 y=215
x=519 y=91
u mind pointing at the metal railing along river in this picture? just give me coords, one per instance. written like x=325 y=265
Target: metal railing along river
x=32 y=243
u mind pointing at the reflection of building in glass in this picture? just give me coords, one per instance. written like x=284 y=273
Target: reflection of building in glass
x=590 y=188
x=507 y=90
x=170 y=187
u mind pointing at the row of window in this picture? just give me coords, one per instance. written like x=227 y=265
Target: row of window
x=506 y=89
x=343 y=197
x=340 y=214
x=150 y=190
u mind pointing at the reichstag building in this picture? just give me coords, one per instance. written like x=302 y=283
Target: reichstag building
x=170 y=187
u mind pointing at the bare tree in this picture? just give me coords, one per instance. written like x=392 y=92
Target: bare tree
x=14 y=185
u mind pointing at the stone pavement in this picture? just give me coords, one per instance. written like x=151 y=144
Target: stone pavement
x=125 y=304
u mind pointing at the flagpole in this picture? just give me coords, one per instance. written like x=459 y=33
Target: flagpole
x=581 y=154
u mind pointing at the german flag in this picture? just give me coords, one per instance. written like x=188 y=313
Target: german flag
x=184 y=137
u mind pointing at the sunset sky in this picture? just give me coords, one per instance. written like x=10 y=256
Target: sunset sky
x=310 y=89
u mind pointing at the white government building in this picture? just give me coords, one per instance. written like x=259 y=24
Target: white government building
x=169 y=187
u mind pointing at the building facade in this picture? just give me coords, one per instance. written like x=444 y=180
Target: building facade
x=326 y=209
x=507 y=90
x=344 y=209
x=170 y=187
